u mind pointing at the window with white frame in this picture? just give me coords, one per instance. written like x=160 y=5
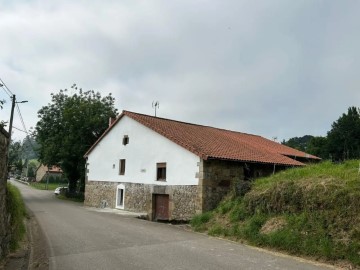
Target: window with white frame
x=120 y=196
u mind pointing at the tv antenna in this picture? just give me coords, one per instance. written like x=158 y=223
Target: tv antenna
x=155 y=105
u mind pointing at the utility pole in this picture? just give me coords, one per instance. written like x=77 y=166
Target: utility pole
x=12 y=115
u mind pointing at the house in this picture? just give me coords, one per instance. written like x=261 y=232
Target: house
x=43 y=171
x=173 y=170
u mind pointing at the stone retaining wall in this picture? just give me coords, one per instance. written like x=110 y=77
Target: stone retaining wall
x=4 y=219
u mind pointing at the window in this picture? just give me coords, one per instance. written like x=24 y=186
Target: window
x=125 y=140
x=122 y=166
x=120 y=196
x=161 y=171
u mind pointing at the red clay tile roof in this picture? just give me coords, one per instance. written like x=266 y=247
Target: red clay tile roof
x=213 y=143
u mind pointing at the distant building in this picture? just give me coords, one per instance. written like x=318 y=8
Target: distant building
x=47 y=171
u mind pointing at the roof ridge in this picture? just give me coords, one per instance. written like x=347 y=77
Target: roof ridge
x=192 y=124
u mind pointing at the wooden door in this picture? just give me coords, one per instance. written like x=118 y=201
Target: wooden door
x=161 y=207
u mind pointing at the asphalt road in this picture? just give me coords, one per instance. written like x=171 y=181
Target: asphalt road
x=81 y=238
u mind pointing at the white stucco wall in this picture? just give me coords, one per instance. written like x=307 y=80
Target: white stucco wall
x=145 y=149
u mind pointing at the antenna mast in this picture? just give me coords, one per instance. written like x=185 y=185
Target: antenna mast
x=155 y=105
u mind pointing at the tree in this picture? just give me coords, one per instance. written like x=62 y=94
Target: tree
x=318 y=146
x=28 y=149
x=31 y=169
x=344 y=136
x=15 y=161
x=299 y=143
x=68 y=126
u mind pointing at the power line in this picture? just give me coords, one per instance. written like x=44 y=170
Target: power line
x=24 y=127
x=21 y=118
x=6 y=91
x=2 y=82
x=20 y=130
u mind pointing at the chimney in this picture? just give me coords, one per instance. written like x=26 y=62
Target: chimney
x=111 y=121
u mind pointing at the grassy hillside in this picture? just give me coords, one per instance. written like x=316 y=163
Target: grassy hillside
x=313 y=211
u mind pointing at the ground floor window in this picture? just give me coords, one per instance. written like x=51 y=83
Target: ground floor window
x=120 y=196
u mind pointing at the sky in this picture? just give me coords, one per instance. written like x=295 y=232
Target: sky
x=279 y=69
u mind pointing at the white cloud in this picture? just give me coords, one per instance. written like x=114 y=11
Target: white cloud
x=274 y=68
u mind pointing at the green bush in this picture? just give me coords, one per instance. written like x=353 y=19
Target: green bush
x=16 y=210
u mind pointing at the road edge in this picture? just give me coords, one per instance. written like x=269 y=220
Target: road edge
x=38 y=246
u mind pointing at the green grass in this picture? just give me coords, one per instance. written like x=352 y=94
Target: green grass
x=199 y=221
x=44 y=186
x=17 y=212
x=314 y=211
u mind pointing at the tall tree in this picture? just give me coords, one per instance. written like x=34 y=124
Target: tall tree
x=344 y=136
x=318 y=146
x=68 y=126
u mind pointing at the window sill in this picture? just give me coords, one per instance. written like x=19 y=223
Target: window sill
x=161 y=180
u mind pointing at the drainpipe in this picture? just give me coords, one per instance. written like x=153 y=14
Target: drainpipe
x=274 y=168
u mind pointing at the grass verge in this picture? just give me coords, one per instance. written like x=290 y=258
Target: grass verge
x=17 y=212
x=312 y=211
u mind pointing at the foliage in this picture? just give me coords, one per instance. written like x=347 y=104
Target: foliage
x=58 y=179
x=198 y=222
x=32 y=166
x=341 y=143
x=16 y=210
x=344 y=136
x=318 y=146
x=299 y=143
x=29 y=147
x=314 y=210
x=15 y=160
x=2 y=122
x=68 y=126
x=20 y=153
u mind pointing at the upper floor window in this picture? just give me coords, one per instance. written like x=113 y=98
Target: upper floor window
x=125 y=140
x=161 y=171
x=122 y=167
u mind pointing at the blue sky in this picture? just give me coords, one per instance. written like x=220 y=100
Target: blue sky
x=273 y=68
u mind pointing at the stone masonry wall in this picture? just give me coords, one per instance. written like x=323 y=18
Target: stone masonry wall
x=137 y=197
x=100 y=194
x=4 y=221
x=183 y=200
x=216 y=179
